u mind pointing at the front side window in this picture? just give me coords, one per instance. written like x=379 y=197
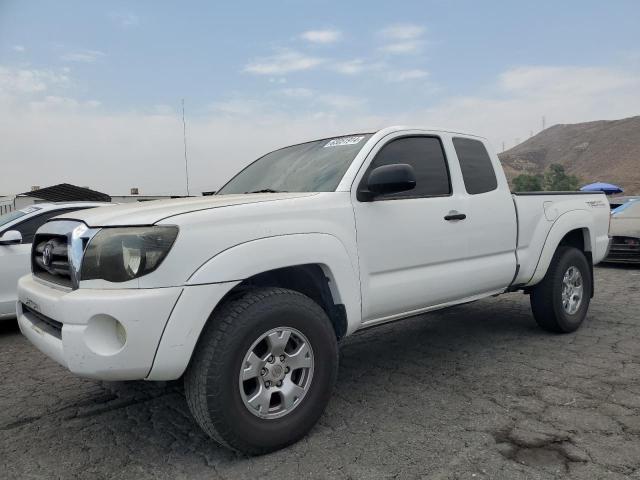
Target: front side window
x=475 y=163
x=316 y=166
x=426 y=156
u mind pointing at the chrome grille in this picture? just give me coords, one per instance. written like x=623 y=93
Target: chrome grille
x=50 y=259
x=58 y=248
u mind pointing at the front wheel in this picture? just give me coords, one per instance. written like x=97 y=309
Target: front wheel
x=263 y=370
x=561 y=300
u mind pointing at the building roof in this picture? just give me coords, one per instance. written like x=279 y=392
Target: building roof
x=65 y=192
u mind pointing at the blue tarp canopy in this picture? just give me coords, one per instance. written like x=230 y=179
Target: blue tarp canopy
x=601 y=187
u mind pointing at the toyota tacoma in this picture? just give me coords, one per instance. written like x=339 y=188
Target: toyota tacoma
x=246 y=294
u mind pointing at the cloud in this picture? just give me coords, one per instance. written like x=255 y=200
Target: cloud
x=406 y=75
x=82 y=56
x=18 y=48
x=39 y=90
x=403 y=31
x=355 y=67
x=545 y=80
x=402 y=48
x=19 y=81
x=282 y=63
x=341 y=102
x=240 y=106
x=297 y=92
x=332 y=100
x=403 y=38
x=53 y=102
x=321 y=36
x=125 y=19
x=522 y=95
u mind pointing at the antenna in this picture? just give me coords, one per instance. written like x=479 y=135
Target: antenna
x=186 y=162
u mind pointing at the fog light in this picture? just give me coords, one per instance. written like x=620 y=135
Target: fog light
x=105 y=335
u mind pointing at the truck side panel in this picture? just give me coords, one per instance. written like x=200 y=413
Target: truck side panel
x=544 y=220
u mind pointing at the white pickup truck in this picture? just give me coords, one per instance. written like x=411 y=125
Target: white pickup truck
x=246 y=294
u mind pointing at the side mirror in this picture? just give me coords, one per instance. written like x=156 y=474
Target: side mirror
x=398 y=177
x=11 y=237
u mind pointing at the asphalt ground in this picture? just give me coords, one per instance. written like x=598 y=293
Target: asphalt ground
x=477 y=391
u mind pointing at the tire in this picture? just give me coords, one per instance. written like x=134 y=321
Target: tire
x=216 y=393
x=551 y=312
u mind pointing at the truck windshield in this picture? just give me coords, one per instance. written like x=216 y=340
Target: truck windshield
x=316 y=166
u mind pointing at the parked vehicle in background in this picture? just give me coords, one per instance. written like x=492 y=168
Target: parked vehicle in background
x=246 y=293
x=17 y=229
x=624 y=230
x=615 y=202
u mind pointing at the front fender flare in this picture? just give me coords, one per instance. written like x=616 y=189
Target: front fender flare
x=257 y=256
x=217 y=276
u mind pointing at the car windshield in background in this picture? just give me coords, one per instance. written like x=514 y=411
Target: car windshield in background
x=10 y=217
x=631 y=205
x=316 y=166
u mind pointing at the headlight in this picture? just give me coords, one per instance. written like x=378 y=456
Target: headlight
x=121 y=254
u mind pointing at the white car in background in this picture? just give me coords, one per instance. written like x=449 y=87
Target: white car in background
x=624 y=230
x=17 y=230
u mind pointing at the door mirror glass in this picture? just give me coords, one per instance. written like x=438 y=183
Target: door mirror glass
x=11 y=237
x=386 y=179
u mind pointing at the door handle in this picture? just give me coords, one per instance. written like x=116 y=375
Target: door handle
x=453 y=215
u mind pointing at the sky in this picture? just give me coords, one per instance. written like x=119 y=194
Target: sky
x=91 y=92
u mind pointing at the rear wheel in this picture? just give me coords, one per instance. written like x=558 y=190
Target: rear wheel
x=263 y=370
x=561 y=300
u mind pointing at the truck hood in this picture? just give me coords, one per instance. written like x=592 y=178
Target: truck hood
x=150 y=212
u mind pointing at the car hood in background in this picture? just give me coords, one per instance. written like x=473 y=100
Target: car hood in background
x=150 y=212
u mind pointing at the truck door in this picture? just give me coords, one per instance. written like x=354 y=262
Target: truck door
x=491 y=224
x=410 y=255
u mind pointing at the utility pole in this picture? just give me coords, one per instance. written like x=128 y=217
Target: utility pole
x=184 y=137
x=503 y=146
x=544 y=122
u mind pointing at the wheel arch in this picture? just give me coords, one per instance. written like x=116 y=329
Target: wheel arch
x=573 y=229
x=320 y=258
x=313 y=280
x=316 y=265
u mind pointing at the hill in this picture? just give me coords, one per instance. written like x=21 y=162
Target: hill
x=601 y=151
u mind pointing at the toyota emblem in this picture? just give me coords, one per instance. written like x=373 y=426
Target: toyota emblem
x=47 y=254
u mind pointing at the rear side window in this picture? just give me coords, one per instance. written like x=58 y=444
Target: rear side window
x=477 y=169
x=426 y=156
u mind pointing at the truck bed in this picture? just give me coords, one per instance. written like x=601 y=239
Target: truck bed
x=541 y=214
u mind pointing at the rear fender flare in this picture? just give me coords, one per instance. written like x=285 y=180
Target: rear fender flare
x=565 y=223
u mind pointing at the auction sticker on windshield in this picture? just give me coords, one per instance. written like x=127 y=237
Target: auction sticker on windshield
x=338 y=142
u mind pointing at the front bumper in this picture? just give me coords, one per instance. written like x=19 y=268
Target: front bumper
x=624 y=250
x=105 y=334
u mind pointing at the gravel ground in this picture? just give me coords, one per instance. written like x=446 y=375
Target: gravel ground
x=477 y=391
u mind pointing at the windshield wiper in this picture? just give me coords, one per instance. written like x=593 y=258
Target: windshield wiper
x=267 y=190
